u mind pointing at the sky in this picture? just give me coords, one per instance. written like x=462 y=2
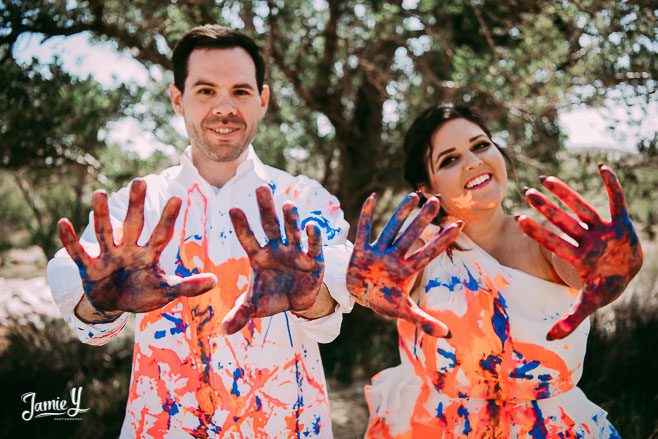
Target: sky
x=584 y=127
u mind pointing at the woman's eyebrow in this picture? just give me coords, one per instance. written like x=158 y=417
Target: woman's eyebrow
x=444 y=152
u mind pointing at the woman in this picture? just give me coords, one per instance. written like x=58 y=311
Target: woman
x=484 y=349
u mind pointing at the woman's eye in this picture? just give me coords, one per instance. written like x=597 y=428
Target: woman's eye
x=481 y=145
x=447 y=161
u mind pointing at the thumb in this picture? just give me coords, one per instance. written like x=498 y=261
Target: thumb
x=425 y=321
x=239 y=315
x=191 y=286
x=569 y=321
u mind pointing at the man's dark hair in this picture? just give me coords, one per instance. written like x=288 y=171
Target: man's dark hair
x=213 y=36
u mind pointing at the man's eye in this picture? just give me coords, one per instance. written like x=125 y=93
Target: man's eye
x=242 y=93
x=205 y=91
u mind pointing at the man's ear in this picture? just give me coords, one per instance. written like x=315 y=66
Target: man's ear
x=264 y=99
x=176 y=97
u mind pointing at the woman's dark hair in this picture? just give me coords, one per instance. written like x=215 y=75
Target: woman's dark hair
x=418 y=144
x=212 y=36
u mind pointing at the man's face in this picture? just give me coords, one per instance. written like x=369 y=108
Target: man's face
x=220 y=104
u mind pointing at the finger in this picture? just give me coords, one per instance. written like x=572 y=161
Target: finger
x=419 y=259
x=362 y=239
x=291 y=218
x=243 y=232
x=618 y=209
x=268 y=217
x=548 y=240
x=394 y=224
x=430 y=325
x=568 y=322
x=554 y=214
x=134 y=222
x=238 y=316
x=164 y=231
x=102 y=224
x=314 y=242
x=573 y=199
x=411 y=234
x=70 y=241
x=191 y=286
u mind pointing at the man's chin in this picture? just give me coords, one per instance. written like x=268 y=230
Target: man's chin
x=224 y=153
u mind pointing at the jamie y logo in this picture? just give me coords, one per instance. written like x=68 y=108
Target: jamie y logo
x=59 y=408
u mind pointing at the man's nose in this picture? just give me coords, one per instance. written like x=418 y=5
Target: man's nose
x=223 y=106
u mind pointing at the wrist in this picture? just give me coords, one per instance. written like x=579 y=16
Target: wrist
x=87 y=313
x=323 y=306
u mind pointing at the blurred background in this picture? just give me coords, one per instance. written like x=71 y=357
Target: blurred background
x=84 y=105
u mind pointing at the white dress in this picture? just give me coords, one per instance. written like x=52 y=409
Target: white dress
x=497 y=376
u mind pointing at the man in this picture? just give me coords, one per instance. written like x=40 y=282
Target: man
x=201 y=369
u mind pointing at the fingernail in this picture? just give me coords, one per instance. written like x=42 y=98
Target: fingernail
x=549 y=337
x=459 y=223
x=542 y=178
x=525 y=189
x=448 y=335
x=600 y=165
x=374 y=195
x=517 y=216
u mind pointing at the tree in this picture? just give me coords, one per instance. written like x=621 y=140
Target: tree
x=51 y=139
x=364 y=68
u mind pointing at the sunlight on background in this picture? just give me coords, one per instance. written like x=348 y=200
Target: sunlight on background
x=613 y=127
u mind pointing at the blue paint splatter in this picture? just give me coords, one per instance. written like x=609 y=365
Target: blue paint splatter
x=259 y=405
x=451 y=285
x=316 y=425
x=448 y=355
x=181 y=269
x=288 y=327
x=471 y=284
x=237 y=374
x=522 y=371
x=490 y=363
x=179 y=325
x=439 y=412
x=272 y=185
x=322 y=222
x=539 y=428
x=160 y=334
x=500 y=319
x=170 y=407
x=463 y=412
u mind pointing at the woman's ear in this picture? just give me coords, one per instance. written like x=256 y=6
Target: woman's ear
x=423 y=189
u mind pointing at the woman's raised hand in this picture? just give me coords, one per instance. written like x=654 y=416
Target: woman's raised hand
x=381 y=274
x=607 y=255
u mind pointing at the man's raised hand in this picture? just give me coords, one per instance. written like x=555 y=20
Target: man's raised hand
x=285 y=276
x=126 y=276
x=379 y=274
x=608 y=254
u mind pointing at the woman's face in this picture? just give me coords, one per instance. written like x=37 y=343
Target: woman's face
x=466 y=169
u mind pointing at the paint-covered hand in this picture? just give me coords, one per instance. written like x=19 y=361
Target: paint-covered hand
x=608 y=254
x=126 y=276
x=285 y=276
x=381 y=274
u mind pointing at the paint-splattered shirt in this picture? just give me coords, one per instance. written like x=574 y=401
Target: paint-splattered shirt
x=188 y=378
x=497 y=376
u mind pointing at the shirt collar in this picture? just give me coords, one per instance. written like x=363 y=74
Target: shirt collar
x=251 y=164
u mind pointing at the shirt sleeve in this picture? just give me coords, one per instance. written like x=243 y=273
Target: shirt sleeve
x=66 y=285
x=317 y=206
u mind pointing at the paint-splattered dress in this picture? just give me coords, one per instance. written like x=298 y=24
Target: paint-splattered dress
x=188 y=378
x=497 y=376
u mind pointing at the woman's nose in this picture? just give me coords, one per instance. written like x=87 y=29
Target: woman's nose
x=472 y=161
